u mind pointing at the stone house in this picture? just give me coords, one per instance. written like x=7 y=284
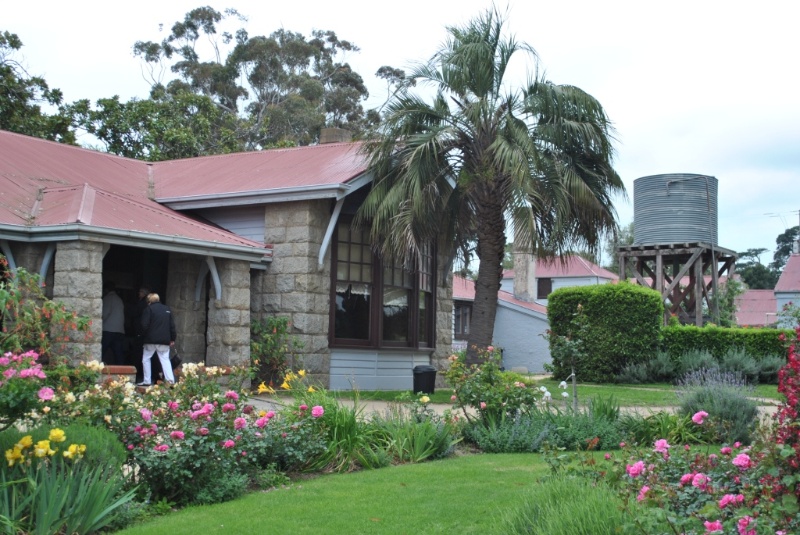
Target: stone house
x=225 y=239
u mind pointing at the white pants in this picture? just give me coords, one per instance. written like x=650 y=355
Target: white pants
x=163 y=356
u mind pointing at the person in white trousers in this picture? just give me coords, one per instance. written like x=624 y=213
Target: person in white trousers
x=158 y=328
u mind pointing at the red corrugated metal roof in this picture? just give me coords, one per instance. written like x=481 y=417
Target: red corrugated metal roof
x=464 y=290
x=756 y=308
x=43 y=183
x=574 y=266
x=299 y=167
x=789 y=280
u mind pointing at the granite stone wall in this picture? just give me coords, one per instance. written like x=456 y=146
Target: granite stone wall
x=78 y=283
x=294 y=285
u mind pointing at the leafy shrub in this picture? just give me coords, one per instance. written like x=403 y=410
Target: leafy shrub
x=758 y=343
x=738 y=362
x=272 y=348
x=769 y=368
x=696 y=359
x=723 y=395
x=623 y=324
x=634 y=373
x=529 y=432
x=226 y=487
x=408 y=439
x=604 y=408
x=660 y=369
x=676 y=428
x=552 y=507
x=486 y=390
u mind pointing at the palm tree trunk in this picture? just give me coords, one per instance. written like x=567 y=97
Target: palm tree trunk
x=490 y=249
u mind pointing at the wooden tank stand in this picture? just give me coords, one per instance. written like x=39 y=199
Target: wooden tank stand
x=686 y=274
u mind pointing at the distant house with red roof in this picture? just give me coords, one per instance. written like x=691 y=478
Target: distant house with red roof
x=226 y=239
x=521 y=320
x=787 y=290
x=756 y=308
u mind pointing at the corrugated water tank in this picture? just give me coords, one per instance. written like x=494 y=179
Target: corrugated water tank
x=675 y=208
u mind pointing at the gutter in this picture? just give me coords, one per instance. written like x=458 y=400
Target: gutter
x=135 y=239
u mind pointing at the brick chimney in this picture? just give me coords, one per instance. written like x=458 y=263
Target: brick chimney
x=524 y=275
x=334 y=135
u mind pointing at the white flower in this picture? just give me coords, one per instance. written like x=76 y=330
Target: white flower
x=562 y=384
x=547 y=395
x=564 y=394
x=543 y=389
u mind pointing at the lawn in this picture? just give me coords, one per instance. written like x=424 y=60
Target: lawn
x=648 y=395
x=462 y=494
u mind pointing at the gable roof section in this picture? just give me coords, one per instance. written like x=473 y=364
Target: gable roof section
x=789 y=280
x=50 y=191
x=756 y=308
x=464 y=290
x=276 y=175
x=574 y=266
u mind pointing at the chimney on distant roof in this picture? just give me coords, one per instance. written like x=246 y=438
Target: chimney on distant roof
x=524 y=274
x=334 y=135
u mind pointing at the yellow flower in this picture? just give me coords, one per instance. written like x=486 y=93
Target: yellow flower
x=311 y=389
x=262 y=413
x=424 y=399
x=286 y=386
x=301 y=373
x=14 y=455
x=42 y=449
x=74 y=451
x=25 y=442
x=263 y=388
x=57 y=435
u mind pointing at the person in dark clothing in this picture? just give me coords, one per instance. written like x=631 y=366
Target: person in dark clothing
x=158 y=328
x=134 y=330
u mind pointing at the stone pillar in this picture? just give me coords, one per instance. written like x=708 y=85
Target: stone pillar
x=78 y=284
x=294 y=285
x=229 y=317
x=444 y=319
x=190 y=314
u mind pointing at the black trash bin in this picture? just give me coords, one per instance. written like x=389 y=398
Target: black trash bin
x=424 y=379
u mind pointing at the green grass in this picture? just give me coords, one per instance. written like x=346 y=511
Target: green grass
x=649 y=395
x=465 y=494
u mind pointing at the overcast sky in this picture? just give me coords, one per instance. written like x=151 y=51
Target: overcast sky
x=707 y=87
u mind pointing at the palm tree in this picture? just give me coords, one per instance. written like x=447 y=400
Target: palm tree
x=483 y=152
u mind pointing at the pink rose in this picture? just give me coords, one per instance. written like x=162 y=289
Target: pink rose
x=453 y=397
x=270 y=414
x=726 y=450
x=228 y=444
x=228 y=407
x=262 y=422
x=735 y=499
x=239 y=423
x=621 y=444
x=661 y=446
x=713 y=527
x=699 y=416
x=230 y=394
x=46 y=393
x=490 y=349
x=686 y=479
x=742 y=461
x=700 y=481
x=203 y=431
x=743 y=524
x=303 y=407
x=161 y=447
x=642 y=493
x=177 y=435
x=483 y=405
x=635 y=469
x=146 y=414
x=607 y=456
x=317 y=411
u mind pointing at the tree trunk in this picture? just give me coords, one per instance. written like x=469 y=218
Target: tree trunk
x=490 y=249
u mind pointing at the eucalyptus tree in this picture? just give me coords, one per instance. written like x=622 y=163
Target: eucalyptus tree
x=481 y=152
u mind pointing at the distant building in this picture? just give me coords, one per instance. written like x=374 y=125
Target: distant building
x=521 y=320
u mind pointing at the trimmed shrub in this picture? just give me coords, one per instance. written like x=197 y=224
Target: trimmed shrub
x=622 y=327
x=737 y=361
x=758 y=343
x=769 y=368
x=696 y=359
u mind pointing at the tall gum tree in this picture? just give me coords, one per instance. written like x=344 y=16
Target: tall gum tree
x=454 y=168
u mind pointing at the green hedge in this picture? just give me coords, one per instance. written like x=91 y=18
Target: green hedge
x=622 y=325
x=758 y=343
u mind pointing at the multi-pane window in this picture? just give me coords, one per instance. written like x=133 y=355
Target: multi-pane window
x=462 y=313
x=380 y=303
